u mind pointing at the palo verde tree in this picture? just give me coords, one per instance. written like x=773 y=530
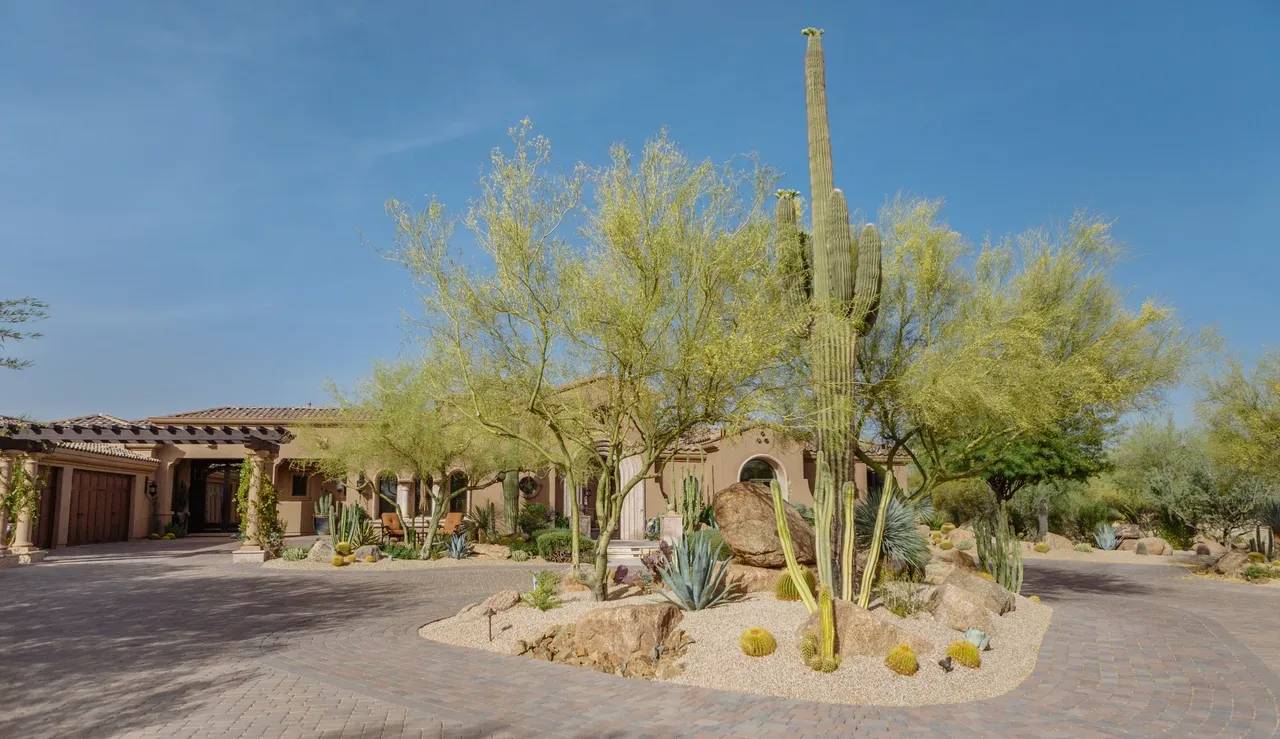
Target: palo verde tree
x=1241 y=412
x=14 y=314
x=660 y=319
x=975 y=351
x=393 y=421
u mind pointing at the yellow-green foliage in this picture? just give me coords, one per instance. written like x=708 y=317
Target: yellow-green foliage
x=343 y=548
x=947 y=528
x=945 y=544
x=965 y=653
x=902 y=660
x=338 y=561
x=1034 y=598
x=351 y=559
x=1257 y=557
x=1042 y=547
x=786 y=588
x=757 y=642
x=370 y=559
x=153 y=536
x=986 y=576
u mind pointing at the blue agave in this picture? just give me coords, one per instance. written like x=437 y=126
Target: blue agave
x=977 y=637
x=458 y=546
x=694 y=574
x=1105 y=537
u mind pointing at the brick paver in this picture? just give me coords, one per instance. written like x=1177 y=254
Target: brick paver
x=171 y=640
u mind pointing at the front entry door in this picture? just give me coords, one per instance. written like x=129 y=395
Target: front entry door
x=213 y=496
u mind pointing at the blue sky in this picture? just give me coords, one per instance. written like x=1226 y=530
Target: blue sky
x=186 y=183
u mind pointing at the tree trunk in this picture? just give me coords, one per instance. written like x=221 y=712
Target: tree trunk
x=1042 y=512
x=511 y=499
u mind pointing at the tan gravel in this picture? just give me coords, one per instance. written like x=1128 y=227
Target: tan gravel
x=716 y=661
x=388 y=565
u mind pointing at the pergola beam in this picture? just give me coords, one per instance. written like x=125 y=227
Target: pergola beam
x=261 y=438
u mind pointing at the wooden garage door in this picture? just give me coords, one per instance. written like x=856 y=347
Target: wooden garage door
x=99 y=507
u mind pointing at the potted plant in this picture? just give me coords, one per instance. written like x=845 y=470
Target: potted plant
x=323 y=510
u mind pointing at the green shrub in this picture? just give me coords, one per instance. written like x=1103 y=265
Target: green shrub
x=902 y=660
x=1083 y=547
x=534 y=517
x=399 y=550
x=964 y=545
x=1257 y=573
x=519 y=555
x=543 y=596
x=965 y=653
x=293 y=554
x=903 y=598
x=557 y=545
x=1042 y=548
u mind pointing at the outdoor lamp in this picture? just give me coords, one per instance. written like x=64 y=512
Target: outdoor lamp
x=152 y=488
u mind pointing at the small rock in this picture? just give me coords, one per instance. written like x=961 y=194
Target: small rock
x=750 y=579
x=321 y=551
x=1154 y=545
x=520 y=647
x=960 y=559
x=491 y=551
x=1059 y=542
x=627 y=629
x=1128 y=531
x=369 y=550
x=958 y=609
x=961 y=533
x=987 y=593
x=945 y=664
x=500 y=601
x=571 y=584
x=1231 y=563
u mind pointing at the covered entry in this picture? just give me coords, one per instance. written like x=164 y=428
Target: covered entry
x=99 y=507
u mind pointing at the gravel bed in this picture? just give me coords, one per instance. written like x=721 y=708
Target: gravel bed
x=388 y=565
x=716 y=661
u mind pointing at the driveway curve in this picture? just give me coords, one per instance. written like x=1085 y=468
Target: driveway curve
x=172 y=640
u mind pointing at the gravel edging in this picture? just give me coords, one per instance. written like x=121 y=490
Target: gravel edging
x=388 y=565
x=716 y=661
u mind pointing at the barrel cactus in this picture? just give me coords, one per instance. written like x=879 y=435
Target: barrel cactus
x=343 y=548
x=965 y=653
x=945 y=544
x=947 y=528
x=809 y=647
x=370 y=559
x=338 y=561
x=825 y=660
x=1034 y=599
x=1257 y=557
x=757 y=642
x=902 y=660
x=1044 y=548
x=1083 y=547
x=786 y=587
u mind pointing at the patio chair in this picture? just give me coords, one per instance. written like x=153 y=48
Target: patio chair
x=451 y=524
x=391 y=528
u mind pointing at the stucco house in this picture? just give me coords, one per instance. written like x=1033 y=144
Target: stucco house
x=108 y=479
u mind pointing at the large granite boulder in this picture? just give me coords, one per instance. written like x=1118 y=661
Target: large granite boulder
x=865 y=633
x=744 y=512
x=503 y=600
x=626 y=629
x=1057 y=542
x=321 y=551
x=986 y=593
x=1154 y=545
x=1231 y=563
x=1128 y=531
x=961 y=533
x=961 y=560
x=749 y=579
x=1209 y=546
x=958 y=609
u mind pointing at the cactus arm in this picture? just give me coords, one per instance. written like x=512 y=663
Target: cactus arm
x=877 y=541
x=847 y=546
x=840 y=253
x=791 y=253
x=866 y=299
x=826 y=619
x=788 y=550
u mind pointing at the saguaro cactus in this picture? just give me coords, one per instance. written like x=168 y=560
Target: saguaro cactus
x=835 y=280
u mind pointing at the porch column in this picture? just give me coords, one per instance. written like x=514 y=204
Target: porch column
x=26 y=549
x=249 y=550
x=168 y=459
x=404 y=495
x=631 y=523
x=6 y=473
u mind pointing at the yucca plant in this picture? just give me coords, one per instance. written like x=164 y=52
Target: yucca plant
x=901 y=542
x=482 y=522
x=694 y=575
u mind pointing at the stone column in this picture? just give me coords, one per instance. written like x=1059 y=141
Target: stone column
x=631 y=522
x=23 y=546
x=6 y=472
x=249 y=551
x=167 y=455
x=404 y=495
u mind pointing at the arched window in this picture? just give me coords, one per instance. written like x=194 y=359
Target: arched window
x=458 y=481
x=387 y=489
x=757 y=470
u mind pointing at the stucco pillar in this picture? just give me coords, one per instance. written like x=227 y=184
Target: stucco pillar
x=6 y=472
x=23 y=546
x=168 y=456
x=249 y=551
x=62 y=529
x=631 y=522
x=404 y=495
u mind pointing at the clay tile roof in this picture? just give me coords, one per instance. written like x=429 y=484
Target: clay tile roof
x=251 y=414
x=104 y=449
x=96 y=419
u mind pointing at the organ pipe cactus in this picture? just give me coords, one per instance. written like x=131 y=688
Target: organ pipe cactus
x=832 y=280
x=794 y=571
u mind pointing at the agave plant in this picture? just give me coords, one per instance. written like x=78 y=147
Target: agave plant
x=459 y=547
x=1105 y=537
x=694 y=574
x=902 y=543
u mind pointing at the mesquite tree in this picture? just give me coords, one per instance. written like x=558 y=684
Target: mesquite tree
x=833 y=280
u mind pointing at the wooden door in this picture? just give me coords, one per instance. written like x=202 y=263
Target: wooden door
x=99 y=507
x=47 y=520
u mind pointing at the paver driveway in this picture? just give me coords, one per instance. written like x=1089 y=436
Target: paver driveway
x=171 y=640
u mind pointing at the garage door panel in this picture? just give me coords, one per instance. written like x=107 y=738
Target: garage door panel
x=99 y=507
